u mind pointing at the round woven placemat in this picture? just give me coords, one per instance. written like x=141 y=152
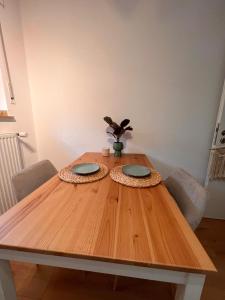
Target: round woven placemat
x=152 y=180
x=67 y=175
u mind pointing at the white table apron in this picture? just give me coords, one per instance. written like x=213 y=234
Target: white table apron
x=189 y=285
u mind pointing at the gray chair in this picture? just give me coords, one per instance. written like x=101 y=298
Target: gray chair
x=190 y=196
x=29 y=179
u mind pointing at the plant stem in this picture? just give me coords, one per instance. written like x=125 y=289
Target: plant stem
x=111 y=134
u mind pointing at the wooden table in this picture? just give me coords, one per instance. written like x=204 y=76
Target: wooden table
x=104 y=227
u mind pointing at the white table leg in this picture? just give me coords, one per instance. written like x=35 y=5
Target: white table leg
x=7 y=288
x=192 y=289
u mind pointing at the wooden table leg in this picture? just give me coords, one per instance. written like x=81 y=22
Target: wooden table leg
x=192 y=289
x=7 y=287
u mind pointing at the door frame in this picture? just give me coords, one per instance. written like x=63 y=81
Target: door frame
x=216 y=131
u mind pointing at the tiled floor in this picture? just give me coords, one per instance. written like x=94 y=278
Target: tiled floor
x=46 y=283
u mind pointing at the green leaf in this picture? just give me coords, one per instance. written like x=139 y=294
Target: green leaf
x=124 y=123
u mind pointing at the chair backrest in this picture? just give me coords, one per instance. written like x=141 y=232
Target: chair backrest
x=190 y=196
x=29 y=179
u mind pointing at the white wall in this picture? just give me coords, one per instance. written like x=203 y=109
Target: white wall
x=159 y=63
x=12 y=31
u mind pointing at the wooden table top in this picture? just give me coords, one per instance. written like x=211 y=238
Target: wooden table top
x=105 y=220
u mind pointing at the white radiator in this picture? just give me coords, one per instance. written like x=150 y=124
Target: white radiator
x=11 y=162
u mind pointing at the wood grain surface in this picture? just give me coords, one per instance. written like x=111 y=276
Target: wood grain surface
x=105 y=220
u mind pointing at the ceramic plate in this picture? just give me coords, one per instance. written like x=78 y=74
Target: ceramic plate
x=86 y=169
x=136 y=170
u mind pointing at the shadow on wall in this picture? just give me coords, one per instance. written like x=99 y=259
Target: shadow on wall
x=27 y=146
x=125 y=7
x=164 y=169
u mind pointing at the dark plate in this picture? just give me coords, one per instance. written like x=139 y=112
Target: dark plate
x=136 y=171
x=86 y=168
